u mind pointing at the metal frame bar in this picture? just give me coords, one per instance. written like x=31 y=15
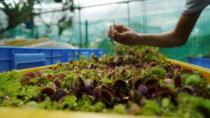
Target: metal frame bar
x=112 y=3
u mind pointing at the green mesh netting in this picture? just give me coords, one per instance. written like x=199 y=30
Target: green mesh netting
x=197 y=45
x=94 y=33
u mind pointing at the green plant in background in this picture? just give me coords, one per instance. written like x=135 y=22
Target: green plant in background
x=17 y=12
x=63 y=24
x=23 y=11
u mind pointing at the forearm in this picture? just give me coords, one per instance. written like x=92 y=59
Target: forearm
x=166 y=39
x=173 y=38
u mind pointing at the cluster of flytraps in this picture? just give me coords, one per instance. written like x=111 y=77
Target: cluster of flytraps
x=135 y=81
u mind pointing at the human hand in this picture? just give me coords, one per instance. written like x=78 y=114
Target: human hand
x=123 y=34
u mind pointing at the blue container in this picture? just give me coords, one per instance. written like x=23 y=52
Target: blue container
x=100 y=52
x=19 y=58
x=5 y=59
x=87 y=53
x=29 y=60
x=69 y=55
x=205 y=62
x=57 y=56
x=29 y=24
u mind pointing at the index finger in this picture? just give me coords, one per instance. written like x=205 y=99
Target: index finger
x=111 y=31
x=112 y=27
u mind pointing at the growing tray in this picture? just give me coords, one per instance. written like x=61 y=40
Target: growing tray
x=38 y=113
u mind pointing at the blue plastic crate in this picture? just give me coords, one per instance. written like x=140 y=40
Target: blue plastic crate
x=69 y=55
x=84 y=52
x=88 y=53
x=57 y=56
x=205 y=62
x=28 y=60
x=5 y=59
x=100 y=52
x=48 y=53
x=18 y=58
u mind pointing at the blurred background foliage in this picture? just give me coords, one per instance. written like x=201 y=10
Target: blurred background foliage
x=84 y=23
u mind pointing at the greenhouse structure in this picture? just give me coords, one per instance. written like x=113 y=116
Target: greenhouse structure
x=104 y=58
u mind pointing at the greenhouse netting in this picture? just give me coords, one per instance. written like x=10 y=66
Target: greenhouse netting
x=93 y=18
